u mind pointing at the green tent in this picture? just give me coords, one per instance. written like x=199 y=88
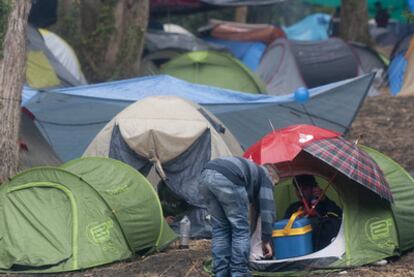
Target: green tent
x=372 y=228
x=214 y=69
x=396 y=8
x=89 y=212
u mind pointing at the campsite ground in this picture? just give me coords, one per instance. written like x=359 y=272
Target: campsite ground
x=385 y=123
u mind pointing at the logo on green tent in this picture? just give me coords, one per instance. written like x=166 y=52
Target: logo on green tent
x=100 y=234
x=379 y=231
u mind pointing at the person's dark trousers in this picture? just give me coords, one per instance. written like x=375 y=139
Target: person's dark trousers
x=227 y=204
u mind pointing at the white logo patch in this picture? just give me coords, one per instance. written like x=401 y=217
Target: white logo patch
x=304 y=138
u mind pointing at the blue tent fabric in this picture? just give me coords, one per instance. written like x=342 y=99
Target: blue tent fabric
x=71 y=117
x=410 y=4
x=312 y=27
x=396 y=72
x=248 y=52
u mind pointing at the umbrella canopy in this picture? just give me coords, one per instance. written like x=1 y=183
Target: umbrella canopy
x=345 y=157
x=354 y=163
x=285 y=144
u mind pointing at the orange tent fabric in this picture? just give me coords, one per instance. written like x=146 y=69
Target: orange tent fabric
x=246 y=32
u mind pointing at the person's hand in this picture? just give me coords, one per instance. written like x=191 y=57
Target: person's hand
x=170 y=219
x=267 y=249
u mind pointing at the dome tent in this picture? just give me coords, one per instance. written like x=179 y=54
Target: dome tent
x=34 y=148
x=377 y=213
x=64 y=53
x=90 y=212
x=370 y=60
x=214 y=69
x=371 y=228
x=44 y=69
x=173 y=136
x=400 y=78
x=288 y=65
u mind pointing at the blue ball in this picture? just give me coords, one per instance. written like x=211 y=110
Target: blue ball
x=301 y=95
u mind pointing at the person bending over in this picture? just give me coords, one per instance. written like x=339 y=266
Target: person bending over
x=229 y=185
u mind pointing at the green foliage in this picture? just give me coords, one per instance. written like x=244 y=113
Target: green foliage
x=95 y=43
x=283 y=13
x=91 y=41
x=68 y=26
x=408 y=16
x=4 y=15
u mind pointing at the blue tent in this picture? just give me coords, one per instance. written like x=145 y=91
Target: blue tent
x=396 y=73
x=71 y=117
x=312 y=27
x=247 y=52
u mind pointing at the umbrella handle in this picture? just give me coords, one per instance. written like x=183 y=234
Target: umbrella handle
x=308 y=210
x=312 y=210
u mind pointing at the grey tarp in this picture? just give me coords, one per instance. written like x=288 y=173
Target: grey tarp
x=334 y=110
x=292 y=64
x=71 y=118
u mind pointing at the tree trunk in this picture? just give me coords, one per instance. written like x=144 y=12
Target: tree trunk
x=12 y=72
x=112 y=38
x=354 y=21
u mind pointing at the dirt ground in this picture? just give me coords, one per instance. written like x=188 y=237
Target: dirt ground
x=384 y=122
x=387 y=124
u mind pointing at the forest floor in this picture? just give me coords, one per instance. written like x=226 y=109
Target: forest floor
x=384 y=122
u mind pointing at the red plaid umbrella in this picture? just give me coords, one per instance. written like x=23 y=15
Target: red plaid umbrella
x=285 y=144
x=354 y=163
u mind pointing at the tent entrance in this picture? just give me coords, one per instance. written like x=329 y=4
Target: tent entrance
x=321 y=258
x=285 y=196
x=179 y=187
x=40 y=216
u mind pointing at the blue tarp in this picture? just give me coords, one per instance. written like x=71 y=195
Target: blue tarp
x=71 y=117
x=248 y=52
x=312 y=27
